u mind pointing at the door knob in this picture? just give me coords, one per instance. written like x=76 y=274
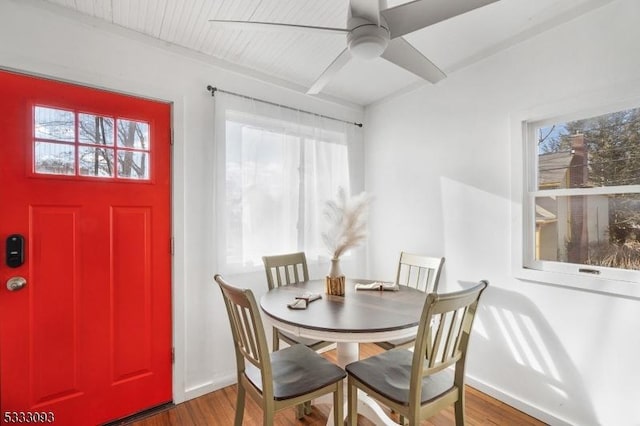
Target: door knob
x=16 y=283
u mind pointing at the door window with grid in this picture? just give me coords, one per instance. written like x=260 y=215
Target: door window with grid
x=76 y=143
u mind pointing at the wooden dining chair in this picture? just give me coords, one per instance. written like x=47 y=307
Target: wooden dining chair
x=418 y=384
x=280 y=379
x=419 y=272
x=285 y=269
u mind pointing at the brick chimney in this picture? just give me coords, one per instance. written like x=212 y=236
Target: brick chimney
x=578 y=167
x=578 y=178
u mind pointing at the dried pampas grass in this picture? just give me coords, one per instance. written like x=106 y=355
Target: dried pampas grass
x=347 y=219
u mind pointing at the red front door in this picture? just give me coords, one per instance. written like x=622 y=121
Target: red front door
x=85 y=181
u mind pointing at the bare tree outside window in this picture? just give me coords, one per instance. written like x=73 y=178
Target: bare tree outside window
x=132 y=163
x=54 y=152
x=104 y=147
x=97 y=158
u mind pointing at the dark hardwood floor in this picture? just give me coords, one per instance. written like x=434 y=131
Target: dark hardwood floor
x=218 y=408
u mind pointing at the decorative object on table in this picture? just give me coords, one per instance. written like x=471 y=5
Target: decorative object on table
x=309 y=297
x=347 y=219
x=335 y=285
x=377 y=285
x=298 y=304
x=302 y=301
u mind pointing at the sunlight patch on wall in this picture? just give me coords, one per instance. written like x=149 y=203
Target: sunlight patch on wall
x=479 y=328
x=507 y=336
x=542 y=348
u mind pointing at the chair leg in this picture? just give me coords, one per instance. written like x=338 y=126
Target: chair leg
x=300 y=411
x=307 y=408
x=352 y=403
x=268 y=415
x=239 y=405
x=459 y=410
x=338 y=403
x=276 y=340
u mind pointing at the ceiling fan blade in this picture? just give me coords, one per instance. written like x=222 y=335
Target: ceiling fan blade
x=331 y=70
x=402 y=53
x=365 y=9
x=406 y=18
x=269 y=26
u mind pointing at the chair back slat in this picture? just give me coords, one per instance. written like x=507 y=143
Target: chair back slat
x=250 y=346
x=435 y=350
x=453 y=337
x=442 y=350
x=278 y=276
x=286 y=269
x=247 y=329
x=420 y=272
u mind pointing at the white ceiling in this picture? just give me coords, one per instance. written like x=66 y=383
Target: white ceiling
x=300 y=57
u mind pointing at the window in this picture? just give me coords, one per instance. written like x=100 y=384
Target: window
x=582 y=198
x=74 y=143
x=279 y=170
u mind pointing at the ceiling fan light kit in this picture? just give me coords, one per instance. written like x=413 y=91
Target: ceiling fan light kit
x=368 y=41
x=374 y=31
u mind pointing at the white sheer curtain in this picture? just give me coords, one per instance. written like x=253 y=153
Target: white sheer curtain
x=276 y=168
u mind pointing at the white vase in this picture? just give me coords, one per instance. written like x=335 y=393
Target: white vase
x=335 y=270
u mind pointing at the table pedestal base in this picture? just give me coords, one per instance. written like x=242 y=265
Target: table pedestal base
x=348 y=352
x=367 y=407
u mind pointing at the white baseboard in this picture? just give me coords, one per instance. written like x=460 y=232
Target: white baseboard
x=210 y=386
x=516 y=403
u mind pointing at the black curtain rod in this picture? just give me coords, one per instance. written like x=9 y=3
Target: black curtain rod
x=213 y=91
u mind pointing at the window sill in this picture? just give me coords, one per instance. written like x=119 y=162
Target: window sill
x=587 y=283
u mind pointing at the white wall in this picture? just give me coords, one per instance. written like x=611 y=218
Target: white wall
x=562 y=354
x=36 y=38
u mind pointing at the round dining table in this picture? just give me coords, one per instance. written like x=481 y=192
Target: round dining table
x=359 y=316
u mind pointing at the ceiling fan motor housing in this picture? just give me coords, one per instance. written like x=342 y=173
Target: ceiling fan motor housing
x=368 y=40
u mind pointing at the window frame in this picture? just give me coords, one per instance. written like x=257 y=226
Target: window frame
x=76 y=144
x=265 y=120
x=524 y=190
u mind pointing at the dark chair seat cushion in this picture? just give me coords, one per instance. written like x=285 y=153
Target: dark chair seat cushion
x=297 y=370
x=389 y=373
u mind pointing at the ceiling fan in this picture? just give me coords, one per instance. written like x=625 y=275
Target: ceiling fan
x=375 y=31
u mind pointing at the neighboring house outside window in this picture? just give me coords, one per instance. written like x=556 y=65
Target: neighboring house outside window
x=566 y=226
x=582 y=200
